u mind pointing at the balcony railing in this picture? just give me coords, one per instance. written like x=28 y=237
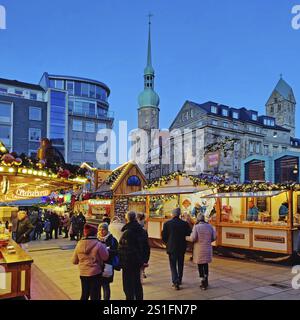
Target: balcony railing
x=108 y=116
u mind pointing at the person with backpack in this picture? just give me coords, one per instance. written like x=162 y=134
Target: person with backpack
x=111 y=243
x=134 y=253
x=90 y=255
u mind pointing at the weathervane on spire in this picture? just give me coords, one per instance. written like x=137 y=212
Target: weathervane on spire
x=150 y=15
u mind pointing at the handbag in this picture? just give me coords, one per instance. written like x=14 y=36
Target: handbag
x=107 y=271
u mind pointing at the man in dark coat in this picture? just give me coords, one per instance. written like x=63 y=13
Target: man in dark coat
x=174 y=236
x=24 y=228
x=81 y=222
x=54 y=221
x=134 y=253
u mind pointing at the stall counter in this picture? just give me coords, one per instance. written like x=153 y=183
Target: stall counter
x=15 y=272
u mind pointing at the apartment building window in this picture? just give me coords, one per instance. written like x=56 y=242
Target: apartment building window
x=254 y=117
x=269 y=122
x=89 y=126
x=92 y=91
x=19 y=92
x=35 y=113
x=213 y=109
x=235 y=115
x=3 y=90
x=214 y=122
x=225 y=112
x=225 y=125
x=266 y=150
x=35 y=134
x=5 y=112
x=89 y=146
x=76 y=145
x=251 y=128
x=275 y=149
x=101 y=125
x=251 y=147
x=77 y=125
x=70 y=87
x=284 y=149
x=84 y=89
x=5 y=132
x=257 y=148
x=33 y=96
x=275 y=134
x=235 y=126
x=258 y=130
x=59 y=84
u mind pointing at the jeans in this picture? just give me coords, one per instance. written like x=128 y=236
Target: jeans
x=252 y=217
x=106 y=290
x=55 y=229
x=132 y=285
x=90 y=287
x=176 y=265
x=203 y=270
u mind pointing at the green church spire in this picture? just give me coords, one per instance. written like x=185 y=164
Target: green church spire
x=149 y=98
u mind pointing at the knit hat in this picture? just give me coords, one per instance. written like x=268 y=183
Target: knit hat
x=103 y=225
x=89 y=230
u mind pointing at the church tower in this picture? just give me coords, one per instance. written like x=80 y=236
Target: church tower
x=282 y=106
x=148 y=111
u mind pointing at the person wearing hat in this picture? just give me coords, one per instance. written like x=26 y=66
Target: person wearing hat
x=24 y=229
x=202 y=236
x=174 y=236
x=111 y=243
x=90 y=255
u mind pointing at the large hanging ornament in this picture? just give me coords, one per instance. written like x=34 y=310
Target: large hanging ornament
x=8 y=159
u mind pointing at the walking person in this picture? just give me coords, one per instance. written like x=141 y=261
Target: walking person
x=134 y=253
x=24 y=229
x=90 y=255
x=81 y=222
x=111 y=243
x=174 y=236
x=203 y=235
x=47 y=228
x=74 y=228
x=60 y=224
x=33 y=218
x=66 y=225
x=54 y=220
x=141 y=220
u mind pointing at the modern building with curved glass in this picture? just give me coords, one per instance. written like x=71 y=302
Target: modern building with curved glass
x=77 y=109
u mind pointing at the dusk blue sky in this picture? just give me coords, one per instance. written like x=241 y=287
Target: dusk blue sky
x=231 y=52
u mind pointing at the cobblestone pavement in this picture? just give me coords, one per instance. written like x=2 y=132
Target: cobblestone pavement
x=230 y=279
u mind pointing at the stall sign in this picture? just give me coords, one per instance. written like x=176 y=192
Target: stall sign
x=99 y=202
x=22 y=193
x=213 y=159
x=265 y=238
x=232 y=235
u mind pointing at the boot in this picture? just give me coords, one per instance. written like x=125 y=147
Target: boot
x=205 y=282
x=202 y=285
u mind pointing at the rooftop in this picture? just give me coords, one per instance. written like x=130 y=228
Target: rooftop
x=21 y=84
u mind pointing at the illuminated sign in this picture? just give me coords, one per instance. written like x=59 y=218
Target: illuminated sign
x=31 y=193
x=99 y=202
x=265 y=238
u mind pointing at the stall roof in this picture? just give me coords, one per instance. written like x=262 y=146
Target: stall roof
x=258 y=194
x=167 y=190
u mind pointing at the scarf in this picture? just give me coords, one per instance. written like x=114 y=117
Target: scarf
x=103 y=239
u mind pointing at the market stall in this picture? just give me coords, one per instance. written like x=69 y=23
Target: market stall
x=173 y=191
x=110 y=199
x=22 y=179
x=262 y=225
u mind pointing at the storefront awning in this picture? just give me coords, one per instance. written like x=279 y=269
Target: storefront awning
x=167 y=190
x=258 y=194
